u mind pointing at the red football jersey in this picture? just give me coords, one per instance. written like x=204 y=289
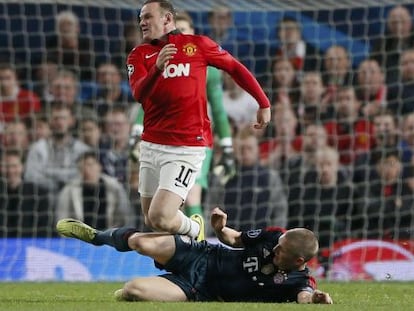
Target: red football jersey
x=175 y=100
x=25 y=104
x=350 y=140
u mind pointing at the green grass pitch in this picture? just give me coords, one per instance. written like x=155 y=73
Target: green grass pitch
x=390 y=296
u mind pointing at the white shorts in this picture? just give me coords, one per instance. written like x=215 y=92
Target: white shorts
x=173 y=168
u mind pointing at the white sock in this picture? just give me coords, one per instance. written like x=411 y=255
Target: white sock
x=188 y=226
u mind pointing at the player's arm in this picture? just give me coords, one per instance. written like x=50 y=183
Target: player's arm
x=215 y=98
x=225 y=234
x=142 y=81
x=219 y=58
x=317 y=296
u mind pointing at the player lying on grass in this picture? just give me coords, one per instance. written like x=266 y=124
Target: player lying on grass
x=266 y=265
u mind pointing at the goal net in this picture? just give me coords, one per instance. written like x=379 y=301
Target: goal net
x=365 y=223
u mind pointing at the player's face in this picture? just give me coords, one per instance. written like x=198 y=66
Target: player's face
x=152 y=21
x=284 y=257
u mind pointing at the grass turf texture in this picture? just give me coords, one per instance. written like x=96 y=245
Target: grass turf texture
x=99 y=297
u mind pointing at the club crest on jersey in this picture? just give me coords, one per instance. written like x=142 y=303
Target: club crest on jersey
x=190 y=49
x=268 y=269
x=279 y=277
x=253 y=233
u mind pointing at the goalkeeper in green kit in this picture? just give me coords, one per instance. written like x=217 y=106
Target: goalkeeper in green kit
x=221 y=126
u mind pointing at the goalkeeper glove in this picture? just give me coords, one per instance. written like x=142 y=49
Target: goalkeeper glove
x=226 y=168
x=134 y=141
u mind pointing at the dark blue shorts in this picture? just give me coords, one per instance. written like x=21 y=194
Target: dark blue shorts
x=188 y=269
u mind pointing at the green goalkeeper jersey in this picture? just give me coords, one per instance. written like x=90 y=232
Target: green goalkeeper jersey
x=220 y=121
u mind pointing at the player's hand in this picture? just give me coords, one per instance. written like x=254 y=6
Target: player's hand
x=218 y=219
x=165 y=55
x=226 y=168
x=263 y=118
x=321 y=297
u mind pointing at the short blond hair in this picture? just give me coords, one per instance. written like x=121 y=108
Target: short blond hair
x=304 y=242
x=66 y=16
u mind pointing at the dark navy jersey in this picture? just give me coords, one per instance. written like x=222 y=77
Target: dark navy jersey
x=249 y=274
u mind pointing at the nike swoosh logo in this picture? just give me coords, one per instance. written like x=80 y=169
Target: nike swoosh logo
x=150 y=55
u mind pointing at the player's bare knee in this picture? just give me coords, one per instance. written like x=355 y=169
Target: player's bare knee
x=133 y=241
x=139 y=243
x=161 y=223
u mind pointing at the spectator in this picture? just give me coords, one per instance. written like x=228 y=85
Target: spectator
x=407 y=139
x=51 y=162
x=401 y=95
x=94 y=197
x=233 y=38
x=386 y=136
x=44 y=74
x=398 y=37
x=255 y=195
x=16 y=137
x=69 y=49
x=40 y=128
x=337 y=70
x=132 y=36
x=284 y=84
x=240 y=106
x=350 y=133
x=115 y=159
x=15 y=102
x=314 y=103
x=286 y=145
x=327 y=202
x=24 y=207
x=371 y=88
x=314 y=138
x=65 y=90
x=406 y=148
x=384 y=205
x=220 y=23
x=109 y=90
x=303 y=56
x=91 y=134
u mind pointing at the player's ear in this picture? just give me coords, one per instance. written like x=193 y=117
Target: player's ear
x=300 y=261
x=168 y=18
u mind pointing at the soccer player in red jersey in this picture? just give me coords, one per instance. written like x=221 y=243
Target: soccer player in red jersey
x=167 y=75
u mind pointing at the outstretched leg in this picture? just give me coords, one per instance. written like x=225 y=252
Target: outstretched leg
x=150 y=289
x=158 y=246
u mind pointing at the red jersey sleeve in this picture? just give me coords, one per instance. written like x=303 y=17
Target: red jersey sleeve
x=141 y=80
x=217 y=57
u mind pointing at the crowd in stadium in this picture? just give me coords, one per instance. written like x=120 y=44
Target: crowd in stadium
x=337 y=157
